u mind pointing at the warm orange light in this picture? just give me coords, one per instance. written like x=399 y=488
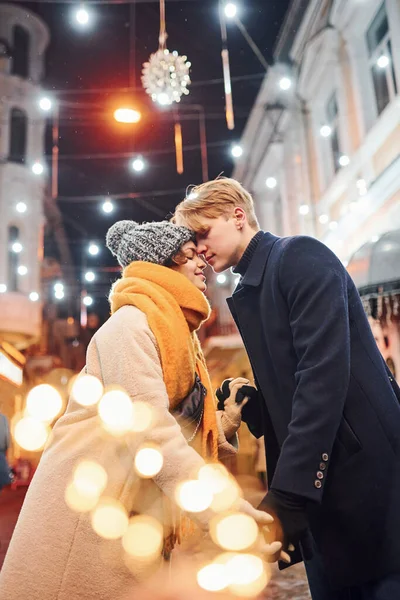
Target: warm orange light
x=127 y=115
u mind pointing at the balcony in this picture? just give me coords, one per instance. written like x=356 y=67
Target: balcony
x=20 y=320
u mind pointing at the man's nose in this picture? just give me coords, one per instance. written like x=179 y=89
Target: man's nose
x=201 y=248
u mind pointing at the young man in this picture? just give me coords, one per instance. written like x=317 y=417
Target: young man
x=328 y=406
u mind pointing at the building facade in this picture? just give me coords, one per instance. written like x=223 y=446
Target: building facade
x=23 y=41
x=321 y=146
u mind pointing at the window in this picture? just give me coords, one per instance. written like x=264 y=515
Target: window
x=18 y=134
x=20 y=53
x=381 y=59
x=332 y=115
x=13 y=259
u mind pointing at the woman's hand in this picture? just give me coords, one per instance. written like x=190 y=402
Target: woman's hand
x=232 y=408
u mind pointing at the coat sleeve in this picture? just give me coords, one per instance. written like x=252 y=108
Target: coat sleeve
x=128 y=357
x=314 y=284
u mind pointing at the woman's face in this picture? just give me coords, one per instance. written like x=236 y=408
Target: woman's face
x=194 y=266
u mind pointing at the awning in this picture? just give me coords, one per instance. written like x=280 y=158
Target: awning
x=377 y=264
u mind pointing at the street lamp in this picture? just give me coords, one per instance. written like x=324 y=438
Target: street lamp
x=127 y=115
x=82 y=16
x=138 y=164
x=236 y=151
x=90 y=276
x=45 y=103
x=21 y=207
x=93 y=249
x=230 y=10
x=108 y=206
x=37 y=168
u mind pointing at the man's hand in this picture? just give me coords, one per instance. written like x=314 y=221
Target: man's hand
x=290 y=520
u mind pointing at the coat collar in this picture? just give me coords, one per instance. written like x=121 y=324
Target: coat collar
x=259 y=261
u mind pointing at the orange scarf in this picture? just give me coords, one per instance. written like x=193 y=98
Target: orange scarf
x=175 y=309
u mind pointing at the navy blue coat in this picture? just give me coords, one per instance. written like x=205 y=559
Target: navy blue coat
x=328 y=405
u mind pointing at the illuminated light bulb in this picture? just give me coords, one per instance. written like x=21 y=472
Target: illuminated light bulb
x=148 y=462
x=90 y=479
x=93 y=249
x=37 y=168
x=213 y=578
x=193 y=496
x=45 y=104
x=304 y=209
x=90 y=276
x=3 y=288
x=17 y=247
x=31 y=434
x=77 y=501
x=34 y=296
x=44 y=403
x=138 y=164
x=116 y=412
x=127 y=115
x=109 y=519
x=21 y=207
x=108 y=207
x=143 y=538
x=285 y=83
x=142 y=416
x=383 y=61
x=344 y=160
x=88 y=301
x=87 y=390
x=82 y=16
x=234 y=532
x=22 y=270
x=323 y=219
x=326 y=131
x=237 y=151
x=271 y=183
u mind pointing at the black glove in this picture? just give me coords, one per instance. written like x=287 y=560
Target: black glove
x=290 y=511
x=223 y=393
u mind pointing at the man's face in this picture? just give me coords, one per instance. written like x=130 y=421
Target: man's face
x=219 y=242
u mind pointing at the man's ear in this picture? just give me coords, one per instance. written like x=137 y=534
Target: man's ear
x=239 y=216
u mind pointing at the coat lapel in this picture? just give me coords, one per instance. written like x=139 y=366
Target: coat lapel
x=246 y=311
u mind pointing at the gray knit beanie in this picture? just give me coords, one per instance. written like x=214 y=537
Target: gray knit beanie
x=155 y=242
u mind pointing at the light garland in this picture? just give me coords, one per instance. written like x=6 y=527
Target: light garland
x=165 y=77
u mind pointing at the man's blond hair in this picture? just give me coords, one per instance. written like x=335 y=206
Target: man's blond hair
x=214 y=199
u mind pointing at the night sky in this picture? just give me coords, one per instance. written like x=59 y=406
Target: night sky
x=98 y=58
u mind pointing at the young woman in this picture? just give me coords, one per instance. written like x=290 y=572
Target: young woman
x=148 y=347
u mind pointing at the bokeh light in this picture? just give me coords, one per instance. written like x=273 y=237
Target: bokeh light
x=227 y=498
x=142 y=416
x=234 y=532
x=215 y=476
x=193 y=496
x=90 y=479
x=44 y=403
x=148 y=461
x=143 y=538
x=213 y=577
x=77 y=501
x=87 y=390
x=110 y=519
x=116 y=412
x=31 y=434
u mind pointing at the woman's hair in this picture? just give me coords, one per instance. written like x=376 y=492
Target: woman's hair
x=214 y=199
x=179 y=258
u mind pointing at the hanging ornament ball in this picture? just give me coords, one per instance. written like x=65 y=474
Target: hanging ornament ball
x=166 y=77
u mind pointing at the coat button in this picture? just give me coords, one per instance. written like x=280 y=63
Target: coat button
x=320 y=475
x=325 y=457
x=322 y=466
x=317 y=484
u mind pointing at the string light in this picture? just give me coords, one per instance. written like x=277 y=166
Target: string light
x=304 y=209
x=138 y=164
x=325 y=131
x=236 y=151
x=285 y=83
x=87 y=390
x=44 y=403
x=37 y=168
x=34 y=296
x=90 y=276
x=22 y=270
x=93 y=249
x=108 y=207
x=271 y=183
x=45 y=104
x=88 y=301
x=21 y=207
x=230 y=10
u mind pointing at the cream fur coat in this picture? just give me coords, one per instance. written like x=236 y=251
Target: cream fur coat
x=54 y=553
